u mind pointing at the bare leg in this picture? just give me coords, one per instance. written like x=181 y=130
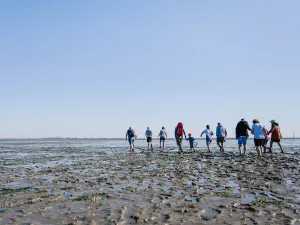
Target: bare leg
x=280 y=146
x=245 y=149
x=163 y=144
x=258 y=149
x=160 y=143
x=208 y=146
x=218 y=143
x=222 y=144
x=271 y=145
x=240 y=148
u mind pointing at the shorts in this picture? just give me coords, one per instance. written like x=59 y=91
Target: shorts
x=265 y=143
x=220 y=139
x=208 y=140
x=131 y=140
x=275 y=140
x=149 y=139
x=242 y=140
x=258 y=142
x=179 y=140
x=162 y=138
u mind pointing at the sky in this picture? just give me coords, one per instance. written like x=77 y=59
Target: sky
x=73 y=68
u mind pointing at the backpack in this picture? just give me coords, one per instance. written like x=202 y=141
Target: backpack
x=180 y=129
x=130 y=133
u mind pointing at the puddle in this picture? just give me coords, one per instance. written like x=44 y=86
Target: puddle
x=209 y=214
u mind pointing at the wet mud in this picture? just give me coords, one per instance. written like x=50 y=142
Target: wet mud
x=76 y=184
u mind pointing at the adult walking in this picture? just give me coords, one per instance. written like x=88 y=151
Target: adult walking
x=208 y=133
x=162 y=137
x=179 y=132
x=241 y=134
x=221 y=134
x=148 y=135
x=275 y=135
x=260 y=132
x=130 y=134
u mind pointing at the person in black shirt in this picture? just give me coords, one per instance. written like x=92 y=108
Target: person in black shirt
x=241 y=134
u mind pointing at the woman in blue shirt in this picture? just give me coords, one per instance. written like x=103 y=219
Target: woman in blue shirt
x=260 y=132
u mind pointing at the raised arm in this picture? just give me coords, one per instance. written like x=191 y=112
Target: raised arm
x=202 y=134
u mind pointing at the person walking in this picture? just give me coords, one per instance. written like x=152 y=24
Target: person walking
x=208 y=133
x=275 y=135
x=191 y=140
x=179 y=132
x=260 y=132
x=148 y=135
x=130 y=134
x=221 y=134
x=241 y=134
x=162 y=137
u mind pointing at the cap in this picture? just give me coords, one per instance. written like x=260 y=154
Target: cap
x=272 y=121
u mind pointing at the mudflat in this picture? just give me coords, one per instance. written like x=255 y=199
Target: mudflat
x=102 y=183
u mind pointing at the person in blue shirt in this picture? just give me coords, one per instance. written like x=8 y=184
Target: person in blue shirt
x=221 y=134
x=130 y=134
x=148 y=135
x=162 y=137
x=191 y=140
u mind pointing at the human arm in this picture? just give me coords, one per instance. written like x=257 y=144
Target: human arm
x=126 y=135
x=248 y=127
x=184 y=133
x=202 y=134
x=225 y=132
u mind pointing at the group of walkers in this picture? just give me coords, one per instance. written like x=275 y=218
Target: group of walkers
x=260 y=133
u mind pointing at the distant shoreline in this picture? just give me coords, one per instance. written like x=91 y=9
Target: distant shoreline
x=101 y=139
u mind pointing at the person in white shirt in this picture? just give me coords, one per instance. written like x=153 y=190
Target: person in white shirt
x=208 y=133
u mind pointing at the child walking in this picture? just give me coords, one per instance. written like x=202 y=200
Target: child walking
x=191 y=140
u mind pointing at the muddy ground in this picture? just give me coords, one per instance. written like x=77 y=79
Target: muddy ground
x=66 y=184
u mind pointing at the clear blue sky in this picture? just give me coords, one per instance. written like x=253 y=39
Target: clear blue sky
x=94 y=68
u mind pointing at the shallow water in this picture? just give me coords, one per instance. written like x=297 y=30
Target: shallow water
x=100 y=182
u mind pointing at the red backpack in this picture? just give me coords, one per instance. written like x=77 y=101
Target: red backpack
x=180 y=129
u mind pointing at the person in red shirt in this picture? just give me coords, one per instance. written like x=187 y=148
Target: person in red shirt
x=275 y=135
